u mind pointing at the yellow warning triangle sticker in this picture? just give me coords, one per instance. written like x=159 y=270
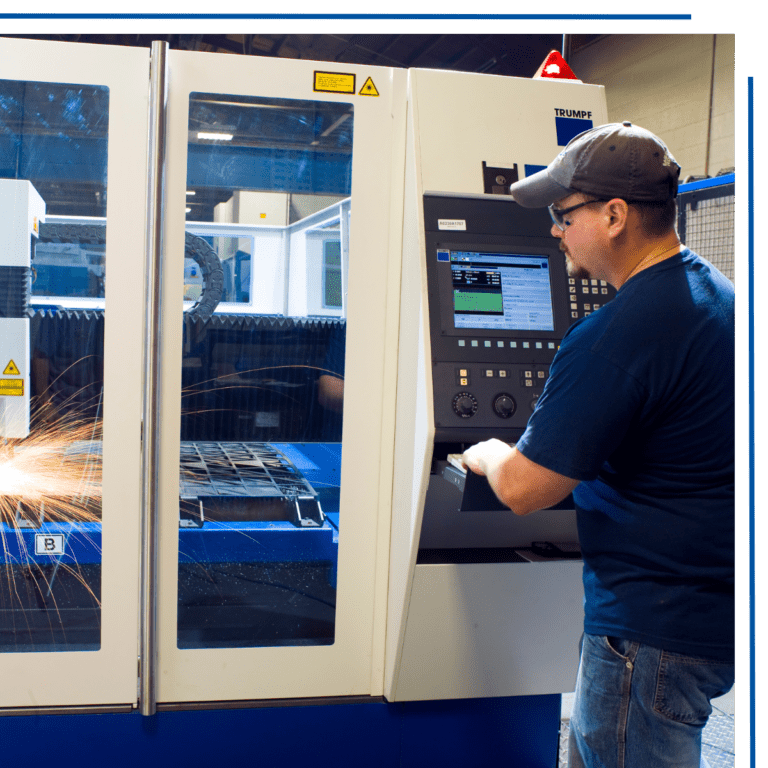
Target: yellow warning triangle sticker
x=11 y=369
x=368 y=89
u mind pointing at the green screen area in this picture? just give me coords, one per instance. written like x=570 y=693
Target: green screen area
x=477 y=301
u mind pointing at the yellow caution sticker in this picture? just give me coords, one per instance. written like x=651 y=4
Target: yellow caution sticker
x=334 y=82
x=368 y=89
x=11 y=387
x=11 y=369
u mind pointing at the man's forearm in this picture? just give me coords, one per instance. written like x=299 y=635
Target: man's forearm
x=519 y=483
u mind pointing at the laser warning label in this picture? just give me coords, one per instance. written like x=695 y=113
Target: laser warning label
x=11 y=387
x=11 y=369
x=368 y=89
x=334 y=82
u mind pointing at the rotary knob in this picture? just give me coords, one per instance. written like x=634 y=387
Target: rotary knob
x=504 y=405
x=465 y=405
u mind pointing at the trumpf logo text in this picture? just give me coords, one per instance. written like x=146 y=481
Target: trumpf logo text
x=581 y=114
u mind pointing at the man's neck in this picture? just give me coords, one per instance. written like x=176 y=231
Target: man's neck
x=646 y=255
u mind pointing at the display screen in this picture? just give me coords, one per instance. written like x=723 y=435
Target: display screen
x=500 y=291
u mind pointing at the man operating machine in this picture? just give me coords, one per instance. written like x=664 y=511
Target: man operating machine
x=636 y=420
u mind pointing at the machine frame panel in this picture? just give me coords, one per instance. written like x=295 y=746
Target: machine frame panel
x=105 y=677
x=353 y=664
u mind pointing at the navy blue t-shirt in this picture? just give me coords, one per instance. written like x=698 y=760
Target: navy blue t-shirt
x=639 y=406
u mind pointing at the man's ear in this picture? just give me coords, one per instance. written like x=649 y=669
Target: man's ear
x=617 y=214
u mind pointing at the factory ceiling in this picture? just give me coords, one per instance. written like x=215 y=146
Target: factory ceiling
x=510 y=55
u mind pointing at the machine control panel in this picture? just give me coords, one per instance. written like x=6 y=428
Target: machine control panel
x=500 y=301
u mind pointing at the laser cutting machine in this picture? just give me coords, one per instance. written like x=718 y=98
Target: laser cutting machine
x=471 y=612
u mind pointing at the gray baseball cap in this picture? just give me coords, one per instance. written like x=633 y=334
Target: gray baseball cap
x=615 y=160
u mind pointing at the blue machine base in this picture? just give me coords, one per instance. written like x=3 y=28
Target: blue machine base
x=467 y=733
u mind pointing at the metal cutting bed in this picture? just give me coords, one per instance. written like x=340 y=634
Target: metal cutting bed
x=255 y=470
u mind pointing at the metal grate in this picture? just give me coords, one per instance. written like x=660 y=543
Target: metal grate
x=253 y=470
x=706 y=221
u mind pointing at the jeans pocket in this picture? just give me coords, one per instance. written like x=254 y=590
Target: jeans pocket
x=618 y=646
x=685 y=685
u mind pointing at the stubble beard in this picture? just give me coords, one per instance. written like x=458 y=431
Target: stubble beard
x=579 y=273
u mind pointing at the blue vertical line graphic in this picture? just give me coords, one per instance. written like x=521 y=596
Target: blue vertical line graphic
x=751 y=299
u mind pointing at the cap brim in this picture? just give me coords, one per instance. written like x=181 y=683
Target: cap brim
x=538 y=190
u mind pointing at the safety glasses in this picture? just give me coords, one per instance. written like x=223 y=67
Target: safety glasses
x=558 y=214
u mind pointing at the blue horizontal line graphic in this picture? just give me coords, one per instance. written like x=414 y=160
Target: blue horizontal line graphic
x=362 y=16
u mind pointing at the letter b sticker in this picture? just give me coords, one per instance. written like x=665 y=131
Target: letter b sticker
x=49 y=543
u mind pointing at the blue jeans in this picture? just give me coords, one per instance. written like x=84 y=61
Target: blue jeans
x=641 y=707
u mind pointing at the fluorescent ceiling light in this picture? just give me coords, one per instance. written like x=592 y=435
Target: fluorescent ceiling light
x=191 y=192
x=335 y=125
x=215 y=136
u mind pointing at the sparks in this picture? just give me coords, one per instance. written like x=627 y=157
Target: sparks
x=57 y=468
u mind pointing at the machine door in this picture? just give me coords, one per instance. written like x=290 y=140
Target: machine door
x=72 y=191
x=274 y=338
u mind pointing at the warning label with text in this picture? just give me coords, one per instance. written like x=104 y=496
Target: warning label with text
x=334 y=82
x=11 y=387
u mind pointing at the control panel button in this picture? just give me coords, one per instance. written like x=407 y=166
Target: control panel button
x=462 y=377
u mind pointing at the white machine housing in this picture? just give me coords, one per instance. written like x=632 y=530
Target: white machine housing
x=21 y=212
x=471 y=629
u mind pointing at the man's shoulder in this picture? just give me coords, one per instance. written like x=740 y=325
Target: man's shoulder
x=706 y=271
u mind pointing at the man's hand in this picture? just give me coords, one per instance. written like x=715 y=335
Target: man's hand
x=484 y=457
x=519 y=483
